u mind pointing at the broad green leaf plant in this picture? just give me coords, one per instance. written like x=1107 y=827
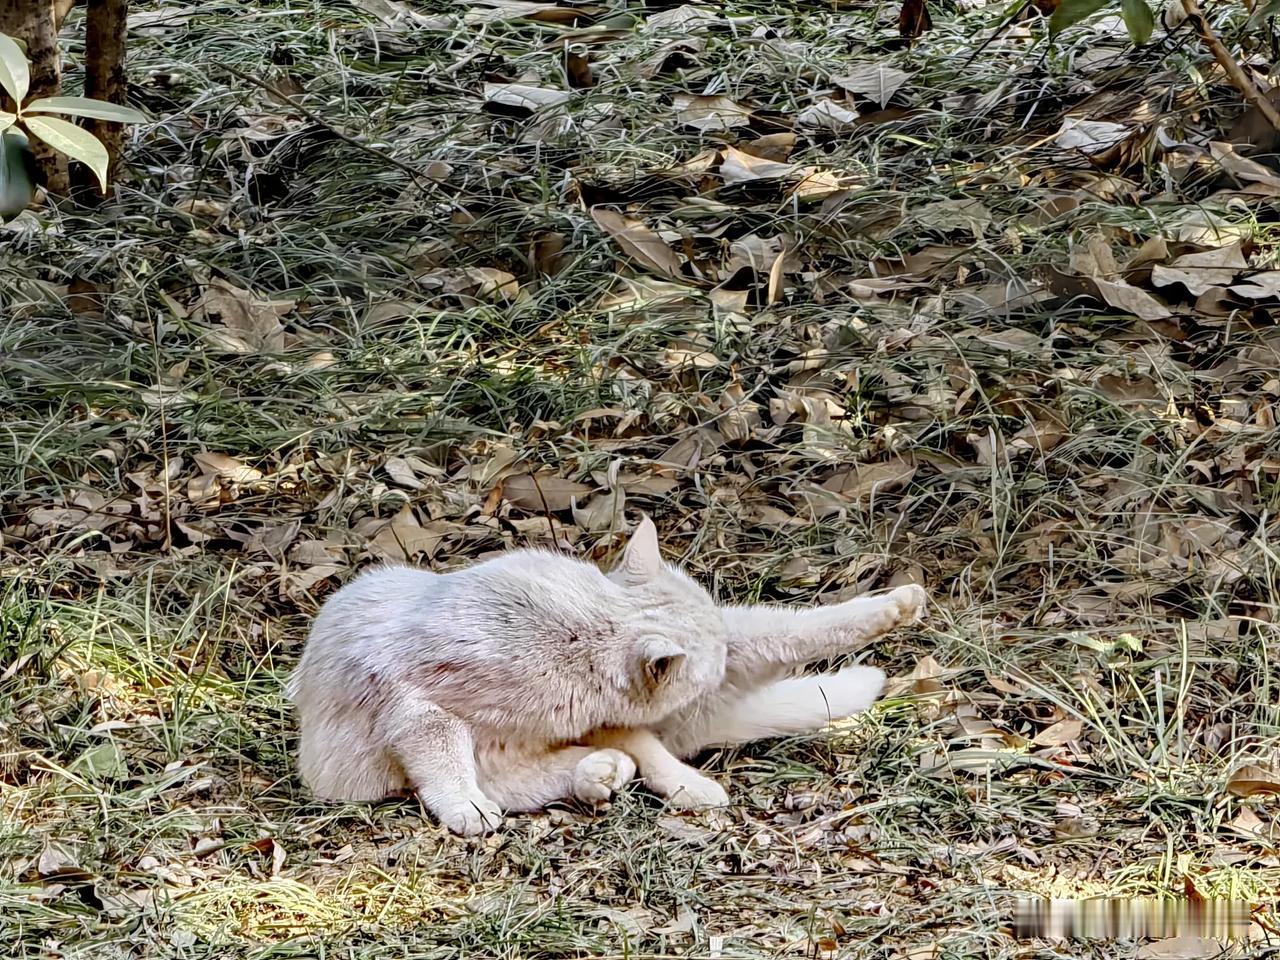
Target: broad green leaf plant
x=1137 y=16
x=43 y=118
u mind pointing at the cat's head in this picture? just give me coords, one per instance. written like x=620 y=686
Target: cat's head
x=679 y=633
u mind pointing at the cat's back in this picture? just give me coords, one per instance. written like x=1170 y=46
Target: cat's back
x=495 y=607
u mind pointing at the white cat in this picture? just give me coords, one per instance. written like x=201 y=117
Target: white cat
x=534 y=677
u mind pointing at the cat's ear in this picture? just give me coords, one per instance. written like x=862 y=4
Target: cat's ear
x=642 y=561
x=658 y=660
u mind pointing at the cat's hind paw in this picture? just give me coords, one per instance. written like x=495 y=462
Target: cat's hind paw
x=600 y=773
x=470 y=815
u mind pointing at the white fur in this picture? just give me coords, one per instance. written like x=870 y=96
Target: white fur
x=791 y=706
x=534 y=677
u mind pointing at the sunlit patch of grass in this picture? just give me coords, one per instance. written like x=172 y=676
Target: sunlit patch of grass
x=361 y=899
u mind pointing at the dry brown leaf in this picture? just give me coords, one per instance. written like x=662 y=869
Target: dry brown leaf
x=926 y=677
x=914 y=19
x=1260 y=286
x=1200 y=271
x=773 y=146
x=404 y=538
x=716 y=114
x=240 y=322
x=487 y=283
x=1130 y=299
x=401 y=474
x=57 y=860
x=522 y=96
x=870 y=480
x=685 y=19
x=1241 y=167
x=1090 y=137
x=226 y=468
x=1252 y=779
x=605 y=512
x=1059 y=733
x=739 y=167
x=877 y=82
x=820 y=184
x=539 y=492
x=393 y=13
x=577 y=68
x=827 y=115
x=639 y=242
x=672 y=55
x=760 y=254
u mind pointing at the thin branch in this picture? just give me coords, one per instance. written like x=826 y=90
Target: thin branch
x=1235 y=73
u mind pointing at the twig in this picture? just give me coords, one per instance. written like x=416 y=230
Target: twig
x=1235 y=73
x=414 y=172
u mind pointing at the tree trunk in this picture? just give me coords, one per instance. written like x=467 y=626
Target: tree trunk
x=104 y=79
x=31 y=21
x=60 y=10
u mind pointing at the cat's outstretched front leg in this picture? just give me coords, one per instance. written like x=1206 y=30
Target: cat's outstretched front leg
x=767 y=638
x=437 y=753
x=678 y=783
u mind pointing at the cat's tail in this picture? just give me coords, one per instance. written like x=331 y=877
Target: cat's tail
x=792 y=706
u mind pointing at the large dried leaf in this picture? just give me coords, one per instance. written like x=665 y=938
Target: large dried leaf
x=1259 y=286
x=877 y=82
x=870 y=480
x=682 y=20
x=404 y=538
x=740 y=167
x=226 y=468
x=1200 y=271
x=1241 y=167
x=1090 y=136
x=522 y=96
x=716 y=114
x=1059 y=733
x=1130 y=299
x=498 y=11
x=827 y=115
x=639 y=242
x=1252 y=779
x=538 y=492
x=238 y=321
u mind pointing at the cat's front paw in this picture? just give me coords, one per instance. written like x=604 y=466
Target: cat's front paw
x=600 y=773
x=910 y=602
x=471 y=815
x=691 y=791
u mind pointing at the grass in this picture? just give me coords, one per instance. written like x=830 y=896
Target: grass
x=1091 y=499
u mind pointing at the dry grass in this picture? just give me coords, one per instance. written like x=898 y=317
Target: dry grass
x=1091 y=498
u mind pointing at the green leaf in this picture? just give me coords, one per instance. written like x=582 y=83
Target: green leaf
x=7 y=120
x=85 y=107
x=15 y=75
x=76 y=142
x=1072 y=11
x=17 y=174
x=1139 y=19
